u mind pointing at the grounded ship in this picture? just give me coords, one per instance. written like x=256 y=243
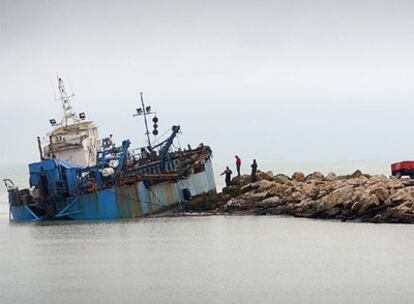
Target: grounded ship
x=80 y=177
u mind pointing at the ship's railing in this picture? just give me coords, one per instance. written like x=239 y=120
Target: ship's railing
x=180 y=165
x=156 y=167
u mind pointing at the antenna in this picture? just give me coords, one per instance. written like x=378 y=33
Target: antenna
x=66 y=104
x=144 y=111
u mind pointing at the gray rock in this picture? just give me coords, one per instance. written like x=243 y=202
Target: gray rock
x=331 y=176
x=315 y=176
x=357 y=174
x=281 y=179
x=358 y=197
x=298 y=176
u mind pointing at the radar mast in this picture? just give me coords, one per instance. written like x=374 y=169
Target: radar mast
x=64 y=98
x=145 y=111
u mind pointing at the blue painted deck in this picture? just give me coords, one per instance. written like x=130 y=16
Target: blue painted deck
x=128 y=201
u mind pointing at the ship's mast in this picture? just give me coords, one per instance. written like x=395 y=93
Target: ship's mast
x=145 y=111
x=145 y=118
x=66 y=104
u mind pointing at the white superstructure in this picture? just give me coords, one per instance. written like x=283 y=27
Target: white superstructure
x=73 y=139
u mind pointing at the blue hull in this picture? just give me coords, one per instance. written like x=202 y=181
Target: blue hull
x=22 y=214
x=128 y=201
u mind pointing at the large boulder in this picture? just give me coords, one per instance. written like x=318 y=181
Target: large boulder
x=250 y=187
x=402 y=213
x=378 y=178
x=241 y=180
x=306 y=204
x=340 y=196
x=407 y=207
x=330 y=177
x=408 y=183
x=264 y=175
x=367 y=202
x=206 y=202
x=357 y=174
x=296 y=197
x=250 y=198
x=298 y=176
x=394 y=184
x=282 y=179
x=315 y=176
x=401 y=195
x=244 y=202
x=331 y=213
x=278 y=189
x=381 y=192
x=269 y=202
x=265 y=185
x=310 y=190
x=358 y=181
x=245 y=179
x=232 y=190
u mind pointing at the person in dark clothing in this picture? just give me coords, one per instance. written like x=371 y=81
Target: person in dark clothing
x=254 y=170
x=228 y=174
x=238 y=164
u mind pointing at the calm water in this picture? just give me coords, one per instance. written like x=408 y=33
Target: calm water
x=205 y=260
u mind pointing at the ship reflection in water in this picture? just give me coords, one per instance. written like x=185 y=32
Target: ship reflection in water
x=206 y=260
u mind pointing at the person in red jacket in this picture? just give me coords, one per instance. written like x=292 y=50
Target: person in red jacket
x=238 y=164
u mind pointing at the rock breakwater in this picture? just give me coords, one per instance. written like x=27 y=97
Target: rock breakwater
x=355 y=197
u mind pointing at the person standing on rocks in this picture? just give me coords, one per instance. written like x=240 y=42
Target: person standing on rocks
x=254 y=170
x=228 y=174
x=238 y=164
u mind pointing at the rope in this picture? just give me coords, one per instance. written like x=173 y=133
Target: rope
x=132 y=198
x=179 y=142
x=158 y=138
x=153 y=193
x=160 y=204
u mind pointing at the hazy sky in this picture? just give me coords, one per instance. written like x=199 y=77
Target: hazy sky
x=274 y=80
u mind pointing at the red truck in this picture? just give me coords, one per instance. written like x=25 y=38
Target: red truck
x=403 y=168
